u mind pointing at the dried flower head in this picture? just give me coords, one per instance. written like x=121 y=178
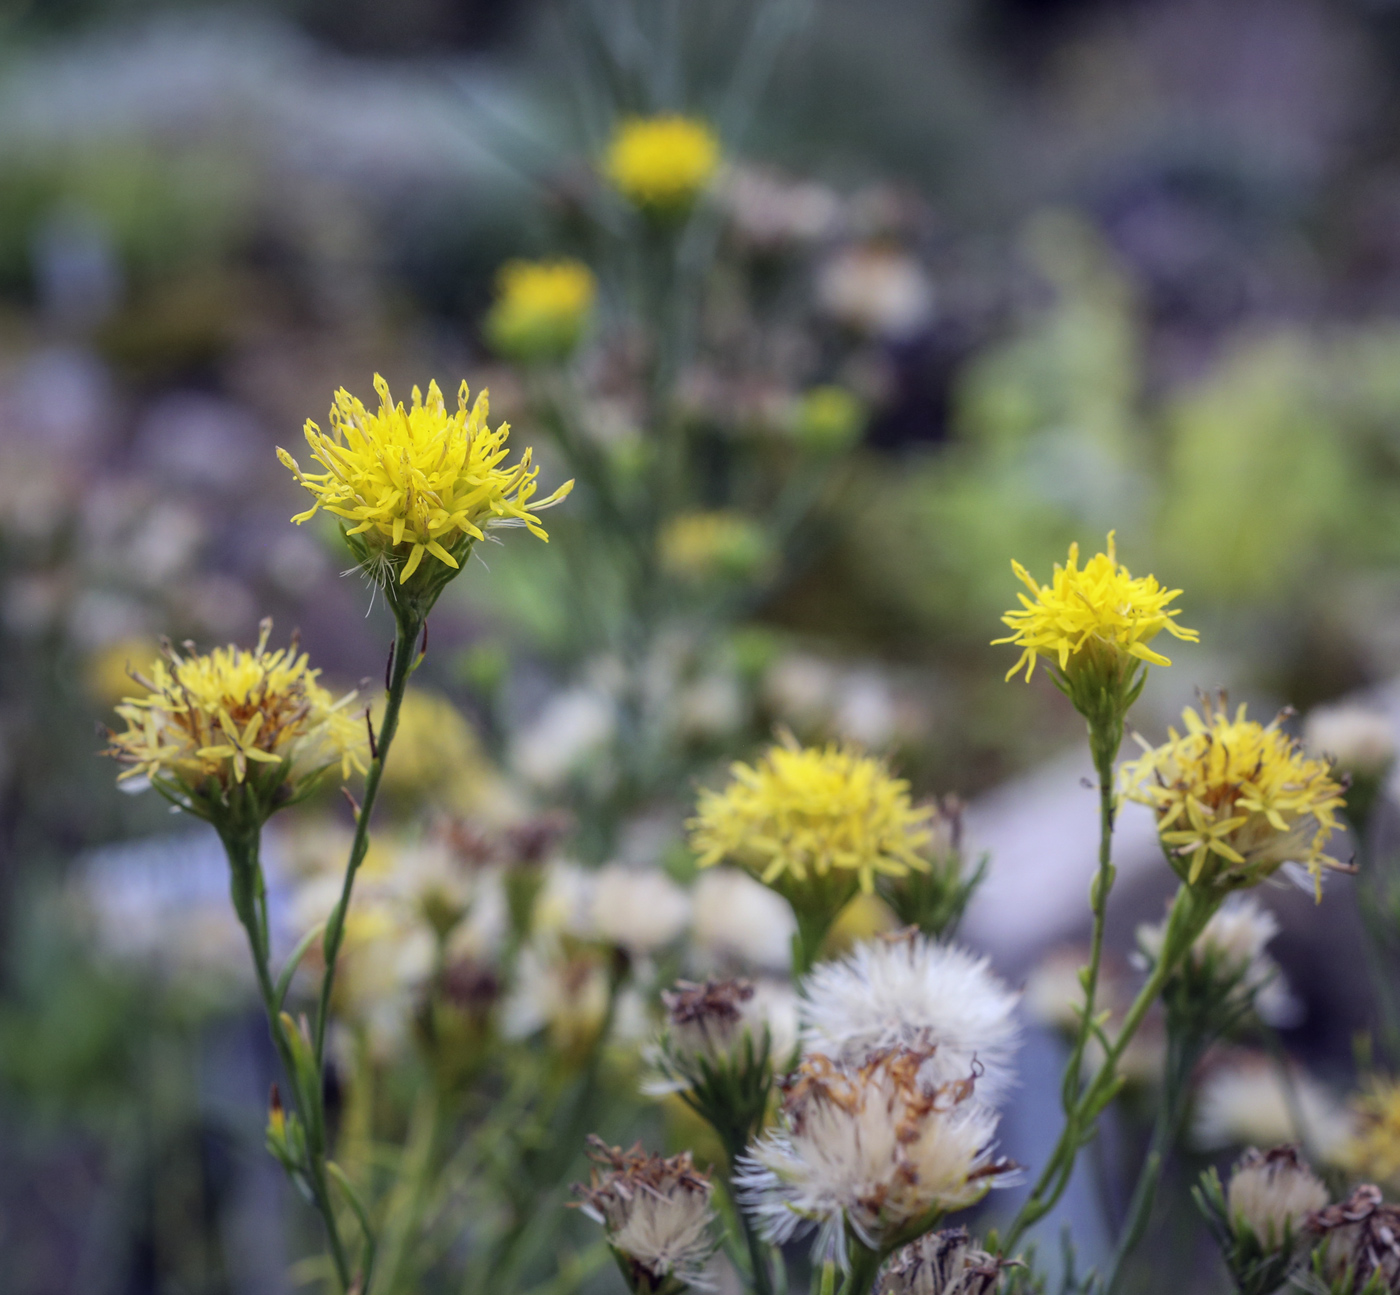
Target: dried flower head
x=942 y=1263
x=907 y=991
x=418 y=482
x=1236 y=799
x=661 y=164
x=656 y=1213
x=799 y=812
x=712 y=1020
x=232 y=717
x=1271 y=1193
x=869 y=1149
x=1374 y=1150
x=1362 y=1236
x=541 y=308
x=1100 y=618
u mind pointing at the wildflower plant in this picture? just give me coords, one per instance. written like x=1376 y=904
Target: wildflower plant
x=661 y=164
x=542 y=309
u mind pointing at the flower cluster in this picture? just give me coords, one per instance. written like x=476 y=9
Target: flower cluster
x=868 y=1151
x=800 y=812
x=209 y=723
x=661 y=164
x=1097 y=617
x=541 y=308
x=656 y=1213
x=1236 y=799
x=418 y=482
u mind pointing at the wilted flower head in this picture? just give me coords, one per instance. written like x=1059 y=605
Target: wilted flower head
x=1271 y=1193
x=1362 y=1235
x=870 y=1149
x=1098 y=620
x=1230 y=957
x=907 y=991
x=656 y=1214
x=942 y=1263
x=712 y=1020
x=661 y=164
x=712 y=544
x=1236 y=799
x=1374 y=1150
x=210 y=723
x=418 y=482
x=810 y=811
x=541 y=308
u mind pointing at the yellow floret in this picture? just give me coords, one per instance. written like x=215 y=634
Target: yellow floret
x=419 y=481
x=1373 y=1153
x=541 y=308
x=1236 y=799
x=1099 y=609
x=205 y=719
x=661 y=162
x=800 y=812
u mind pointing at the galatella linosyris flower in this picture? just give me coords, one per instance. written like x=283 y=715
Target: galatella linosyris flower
x=1271 y=1193
x=541 y=309
x=661 y=164
x=255 y=726
x=942 y=1263
x=868 y=1152
x=907 y=991
x=1362 y=1238
x=1235 y=799
x=418 y=483
x=656 y=1214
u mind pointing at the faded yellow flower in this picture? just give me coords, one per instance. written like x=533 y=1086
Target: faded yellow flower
x=418 y=482
x=1236 y=799
x=541 y=308
x=1094 y=617
x=211 y=723
x=661 y=163
x=801 y=812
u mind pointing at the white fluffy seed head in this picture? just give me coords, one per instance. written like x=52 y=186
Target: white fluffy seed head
x=655 y=1210
x=1272 y=1192
x=941 y=1263
x=907 y=991
x=869 y=1148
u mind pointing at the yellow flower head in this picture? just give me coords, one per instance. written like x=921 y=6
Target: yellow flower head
x=1092 y=617
x=210 y=723
x=661 y=163
x=541 y=308
x=418 y=481
x=1373 y=1152
x=708 y=543
x=1236 y=799
x=808 y=812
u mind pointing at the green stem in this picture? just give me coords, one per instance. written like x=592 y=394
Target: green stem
x=865 y=1267
x=401 y=666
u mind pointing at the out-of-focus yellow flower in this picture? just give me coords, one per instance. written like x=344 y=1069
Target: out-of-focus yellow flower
x=801 y=811
x=209 y=723
x=828 y=419
x=1236 y=799
x=436 y=752
x=1373 y=1153
x=418 y=481
x=108 y=673
x=661 y=164
x=1092 y=617
x=541 y=308
x=707 y=544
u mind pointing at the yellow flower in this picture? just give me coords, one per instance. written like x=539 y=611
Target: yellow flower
x=438 y=758
x=1373 y=1152
x=1236 y=799
x=1091 y=617
x=812 y=812
x=418 y=481
x=707 y=543
x=541 y=308
x=210 y=723
x=661 y=163
x=828 y=419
